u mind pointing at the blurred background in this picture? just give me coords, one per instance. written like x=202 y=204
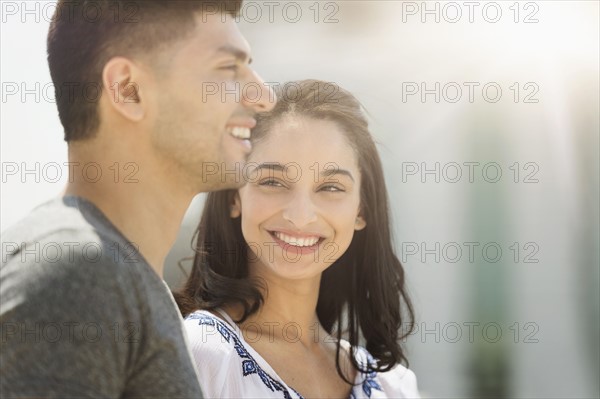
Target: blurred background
x=487 y=119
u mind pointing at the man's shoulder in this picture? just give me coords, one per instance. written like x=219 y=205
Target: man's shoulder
x=65 y=232
x=66 y=270
x=68 y=216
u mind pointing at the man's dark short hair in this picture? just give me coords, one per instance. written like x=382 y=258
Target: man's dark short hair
x=85 y=34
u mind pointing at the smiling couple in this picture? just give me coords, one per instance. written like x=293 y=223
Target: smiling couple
x=331 y=326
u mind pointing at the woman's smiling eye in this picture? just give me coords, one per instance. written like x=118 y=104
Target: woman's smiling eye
x=332 y=188
x=270 y=183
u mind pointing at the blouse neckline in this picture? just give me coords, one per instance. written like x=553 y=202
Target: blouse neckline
x=345 y=345
x=262 y=363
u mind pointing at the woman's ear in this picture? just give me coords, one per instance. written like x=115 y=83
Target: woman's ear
x=360 y=223
x=236 y=206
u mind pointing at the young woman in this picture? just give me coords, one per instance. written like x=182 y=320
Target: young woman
x=296 y=270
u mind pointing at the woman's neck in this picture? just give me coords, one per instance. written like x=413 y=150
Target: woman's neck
x=288 y=313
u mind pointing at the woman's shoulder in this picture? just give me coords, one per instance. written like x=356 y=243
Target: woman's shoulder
x=209 y=333
x=399 y=382
x=213 y=345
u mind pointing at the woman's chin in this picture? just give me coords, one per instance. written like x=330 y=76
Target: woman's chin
x=298 y=270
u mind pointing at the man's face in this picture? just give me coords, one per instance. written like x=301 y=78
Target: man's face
x=205 y=104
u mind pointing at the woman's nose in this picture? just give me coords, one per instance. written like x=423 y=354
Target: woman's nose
x=300 y=211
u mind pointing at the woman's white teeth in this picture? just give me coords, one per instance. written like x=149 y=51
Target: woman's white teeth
x=240 y=132
x=298 y=242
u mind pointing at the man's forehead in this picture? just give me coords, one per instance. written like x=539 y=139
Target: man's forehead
x=219 y=35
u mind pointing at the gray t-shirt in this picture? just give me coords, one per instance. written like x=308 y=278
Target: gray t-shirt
x=82 y=314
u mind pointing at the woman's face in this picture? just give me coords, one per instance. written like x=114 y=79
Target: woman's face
x=301 y=204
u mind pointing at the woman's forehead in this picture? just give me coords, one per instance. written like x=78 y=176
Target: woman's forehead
x=304 y=137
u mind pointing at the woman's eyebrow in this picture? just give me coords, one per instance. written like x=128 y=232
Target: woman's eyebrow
x=274 y=166
x=277 y=167
x=336 y=171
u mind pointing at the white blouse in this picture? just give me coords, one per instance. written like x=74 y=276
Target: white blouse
x=230 y=368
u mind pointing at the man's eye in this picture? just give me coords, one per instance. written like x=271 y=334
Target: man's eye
x=231 y=67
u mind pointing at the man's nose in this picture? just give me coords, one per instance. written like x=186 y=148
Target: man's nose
x=259 y=96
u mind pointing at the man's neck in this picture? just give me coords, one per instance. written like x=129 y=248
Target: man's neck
x=147 y=213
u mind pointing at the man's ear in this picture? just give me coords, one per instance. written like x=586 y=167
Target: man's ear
x=236 y=206
x=123 y=92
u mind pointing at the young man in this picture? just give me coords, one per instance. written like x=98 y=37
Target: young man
x=157 y=99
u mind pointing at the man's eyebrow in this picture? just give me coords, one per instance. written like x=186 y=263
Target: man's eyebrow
x=335 y=171
x=238 y=53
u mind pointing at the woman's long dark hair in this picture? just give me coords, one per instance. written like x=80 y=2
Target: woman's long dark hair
x=363 y=292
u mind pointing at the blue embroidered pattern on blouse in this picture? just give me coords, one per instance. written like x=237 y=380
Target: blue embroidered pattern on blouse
x=249 y=365
x=369 y=383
